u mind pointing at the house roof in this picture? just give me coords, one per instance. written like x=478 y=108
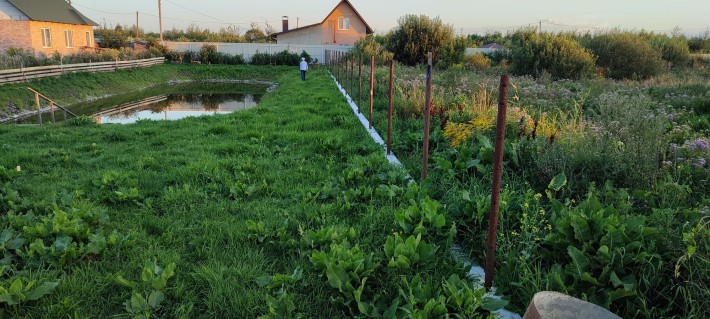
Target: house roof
x=368 y=30
x=491 y=46
x=51 y=11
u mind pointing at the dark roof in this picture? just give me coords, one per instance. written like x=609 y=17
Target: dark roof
x=51 y=11
x=368 y=30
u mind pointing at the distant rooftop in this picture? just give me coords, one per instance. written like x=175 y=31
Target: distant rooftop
x=51 y=11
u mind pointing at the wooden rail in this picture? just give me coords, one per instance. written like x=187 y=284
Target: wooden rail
x=25 y=74
x=130 y=106
x=52 y=104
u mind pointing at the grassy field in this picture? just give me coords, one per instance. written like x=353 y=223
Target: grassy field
x=290 y=210
x=282 y=211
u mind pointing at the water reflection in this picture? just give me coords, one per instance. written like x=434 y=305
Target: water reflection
x=169 y=102
x=177 y=106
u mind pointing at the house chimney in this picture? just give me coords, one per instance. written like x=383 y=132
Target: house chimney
x=284 y=21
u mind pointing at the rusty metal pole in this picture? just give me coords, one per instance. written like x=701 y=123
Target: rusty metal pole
x=39 y=108
x=352 y=73
x=347 y=80
x=427 y=111
x=495 y=188
x=372 y=87
x=359 y=68
x=389 y=111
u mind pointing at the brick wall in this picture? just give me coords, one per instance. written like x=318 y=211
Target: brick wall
x=15 y=34
x=58 y=41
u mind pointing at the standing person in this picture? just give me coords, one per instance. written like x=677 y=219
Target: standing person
x=304 y=69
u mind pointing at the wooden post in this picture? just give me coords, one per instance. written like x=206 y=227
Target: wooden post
x=372 y=87
x=51 y=108
x=495 y=188
x=160 y=21
x=39 y=108
x=389 y=111
x=427 y=111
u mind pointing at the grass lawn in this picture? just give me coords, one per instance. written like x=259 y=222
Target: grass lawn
x=281 y=210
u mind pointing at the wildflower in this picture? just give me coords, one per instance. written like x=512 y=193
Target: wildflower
x=702 y=144
x=667 y=163
x=699 y=162
x=674 y=146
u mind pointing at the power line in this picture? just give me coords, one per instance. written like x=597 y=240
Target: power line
x=106 y=12
x=202 y=14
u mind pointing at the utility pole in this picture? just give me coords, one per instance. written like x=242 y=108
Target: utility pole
x=137 y=28
x=539 y=30
x=160 y=18
x=297 y=22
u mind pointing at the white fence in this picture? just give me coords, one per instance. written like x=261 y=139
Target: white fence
x=247 y=50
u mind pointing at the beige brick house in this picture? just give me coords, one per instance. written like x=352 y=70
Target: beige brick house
x=44 y=26
x=343 y=25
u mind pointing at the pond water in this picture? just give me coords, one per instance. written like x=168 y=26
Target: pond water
x=168 y=102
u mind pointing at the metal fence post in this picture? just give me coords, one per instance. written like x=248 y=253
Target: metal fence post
x=372 y=87
x=427 y=111
x=495 y=188
x=389 y=111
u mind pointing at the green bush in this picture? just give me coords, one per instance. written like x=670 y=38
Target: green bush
x=370 y=46
x=625 y=55
x=477 y=61
x=281 y=58
x=674 y=50
x=415 y=36
x=556 y=54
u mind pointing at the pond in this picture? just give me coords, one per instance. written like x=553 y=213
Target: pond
x=169 y=102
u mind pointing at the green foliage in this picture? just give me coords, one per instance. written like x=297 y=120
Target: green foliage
x=281 y=58
x=369 y=46
x=426 y=218
x=116 y=187
x=346 y=268
x=410 y=253
x=81 y=120
x=625 y=55
x=282 y=305
x=19 y=292
x=477 y=61
x=558 y=55
x=415 y=36
x=209 y=55
x=604 y=252
x=674 y=50
x=147 y=295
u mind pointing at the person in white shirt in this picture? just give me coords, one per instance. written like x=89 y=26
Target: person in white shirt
x=304 y=69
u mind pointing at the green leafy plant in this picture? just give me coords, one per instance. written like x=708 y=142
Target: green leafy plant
x=602 y=249
x=426 y=218
x=147 y=295
x=281 y=305
x=409 y=253
x=346 y=268
x=20 y=291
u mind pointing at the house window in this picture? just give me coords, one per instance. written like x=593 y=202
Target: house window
x=343 y=23
x=69 y=38
x=88 y=38
x=46 y=38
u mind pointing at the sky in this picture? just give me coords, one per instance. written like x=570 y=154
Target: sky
x=692 y=17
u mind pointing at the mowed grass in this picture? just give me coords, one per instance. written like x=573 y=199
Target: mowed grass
x=199 y=181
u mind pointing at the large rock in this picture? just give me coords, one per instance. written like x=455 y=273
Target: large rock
x=554 y=305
